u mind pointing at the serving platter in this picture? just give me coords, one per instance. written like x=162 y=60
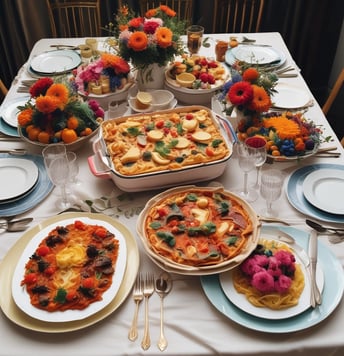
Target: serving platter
x=296 y=197
x=17 y=176
x=55 y=62
x=39 y=191
x=322 y=188
x=8 y=266
x=332 y=294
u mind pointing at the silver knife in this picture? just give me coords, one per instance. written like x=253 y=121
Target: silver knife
x=313 y=258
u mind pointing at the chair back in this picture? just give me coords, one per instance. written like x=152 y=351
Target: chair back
x=333 y=93
x=183 y=8
x=3 y=88
x=235 y=16
x=74 y=18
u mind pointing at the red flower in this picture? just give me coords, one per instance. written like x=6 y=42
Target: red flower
x=150 y=27
x=240 y=93
x=40 y=87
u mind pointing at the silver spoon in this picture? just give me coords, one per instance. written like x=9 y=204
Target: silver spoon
x=163 y=285
x=15 y=225
x=323 y=229
x=15 y=151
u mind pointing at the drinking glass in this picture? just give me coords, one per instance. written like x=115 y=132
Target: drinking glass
x=258 y=144
x=73 y=167
x=194 y=38
x=271 y=189
x=247 y=159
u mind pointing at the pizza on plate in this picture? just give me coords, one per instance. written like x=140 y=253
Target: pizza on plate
x=72 y=267
x=197 y=227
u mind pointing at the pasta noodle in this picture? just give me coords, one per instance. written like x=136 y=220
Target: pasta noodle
x=154 y=142
x=72 y=267
x=198 y=227
x=272 y=299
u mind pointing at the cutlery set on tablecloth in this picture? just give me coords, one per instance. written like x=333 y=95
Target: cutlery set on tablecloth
x=143 y=289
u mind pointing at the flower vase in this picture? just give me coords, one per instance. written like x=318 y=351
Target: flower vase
x=151 y=77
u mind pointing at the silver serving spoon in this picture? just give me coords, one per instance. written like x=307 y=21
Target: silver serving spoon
x=323 y=229
x=163 y=285
x=15 y=225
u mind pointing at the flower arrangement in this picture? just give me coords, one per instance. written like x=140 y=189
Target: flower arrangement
x=104 y=75
x=270 y=270
x=249 y=90
x=287 y=134
x=55 y=113
x=153 y=38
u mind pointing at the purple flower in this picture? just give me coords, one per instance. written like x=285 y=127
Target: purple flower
x=263 y=281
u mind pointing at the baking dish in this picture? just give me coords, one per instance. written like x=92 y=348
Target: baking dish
x=101 y=164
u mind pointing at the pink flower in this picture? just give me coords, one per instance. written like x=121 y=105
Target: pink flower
x=282 y=284
x=263 y=281
x=250 y=266
x=285 y=257
x=150 y=26
x=274 y=267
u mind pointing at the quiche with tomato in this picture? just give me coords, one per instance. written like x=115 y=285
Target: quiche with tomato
x=71 y=267
x=199 y=226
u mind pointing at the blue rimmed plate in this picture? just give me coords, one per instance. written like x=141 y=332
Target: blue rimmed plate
x=295 y=193
x=332 y=294
x=41 y=189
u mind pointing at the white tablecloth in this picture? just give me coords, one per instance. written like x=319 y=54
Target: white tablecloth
x=193 y=326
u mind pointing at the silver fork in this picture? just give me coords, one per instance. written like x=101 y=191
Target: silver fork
x=138 y=297
x=147 y=292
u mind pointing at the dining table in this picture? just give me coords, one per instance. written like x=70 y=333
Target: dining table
x=199 y=319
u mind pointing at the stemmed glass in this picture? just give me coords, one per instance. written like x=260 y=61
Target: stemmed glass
x=247 y=159
x=271 y=189
x=57 y=166
x=259 y=145
x=73 y=167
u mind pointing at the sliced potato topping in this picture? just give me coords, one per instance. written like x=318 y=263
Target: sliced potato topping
x=182 y=143
x=200 y=214
x=132 y=155
x=159 y=159
x=190 y=125
x=155 y=135
x=223 y=228
x=201 y=136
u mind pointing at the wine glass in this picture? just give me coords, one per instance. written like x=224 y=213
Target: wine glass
x=271 y=189
x=247 y=159
x=194 y=38
x=73 y=167
x=259 y=145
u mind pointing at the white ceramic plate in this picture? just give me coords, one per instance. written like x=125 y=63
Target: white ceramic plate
x=22 y=299
x=58 y=61
x=10 y=111
x=17 y=176
x=289 y=97
x=256 y=54
x=240 y=300
x=323 y=189
x=332 y=295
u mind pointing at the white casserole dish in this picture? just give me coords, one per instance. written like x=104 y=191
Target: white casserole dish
x=101 y=165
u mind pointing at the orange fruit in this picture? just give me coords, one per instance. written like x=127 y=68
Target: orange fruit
x=69 y=135
x=86 y=132
x=43 y=137
x=233 y=42
x=72 y=122
x=33 y=133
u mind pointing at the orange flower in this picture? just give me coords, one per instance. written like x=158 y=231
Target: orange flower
x=261 y=101
x=60 y=92
x=164 y=37
x=150 y=13
x=285 y=128
x=167 y=10
x=136 y=22
x=123 y=27
x=25 y=117
x=124 y=10
x=47 y=104
x=250 y=75
x=138 y=41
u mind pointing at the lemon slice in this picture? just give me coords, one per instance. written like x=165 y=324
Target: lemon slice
x=144 y=97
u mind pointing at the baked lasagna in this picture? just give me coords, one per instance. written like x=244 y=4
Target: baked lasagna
x=169 y=140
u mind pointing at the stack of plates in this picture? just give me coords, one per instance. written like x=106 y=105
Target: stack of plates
x=221 y=293
x=318 y=191
x=254 y=54
x=15 y=302
x=24 y=183
x=54 y=63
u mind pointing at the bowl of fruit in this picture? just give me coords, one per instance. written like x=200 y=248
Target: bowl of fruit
x=207 y=76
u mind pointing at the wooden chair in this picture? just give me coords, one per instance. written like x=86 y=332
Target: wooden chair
x=333 y=94
x=231 y=16
x=74 y=18
x=183 y=8
x=3 y=88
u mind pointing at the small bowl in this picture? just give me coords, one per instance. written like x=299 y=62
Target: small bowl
x=161 y=99
x=185 y=79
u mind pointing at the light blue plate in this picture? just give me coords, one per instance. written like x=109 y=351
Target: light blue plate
x=42 y=188
x=294 y=191
x=7 y=129
x=332 y=294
